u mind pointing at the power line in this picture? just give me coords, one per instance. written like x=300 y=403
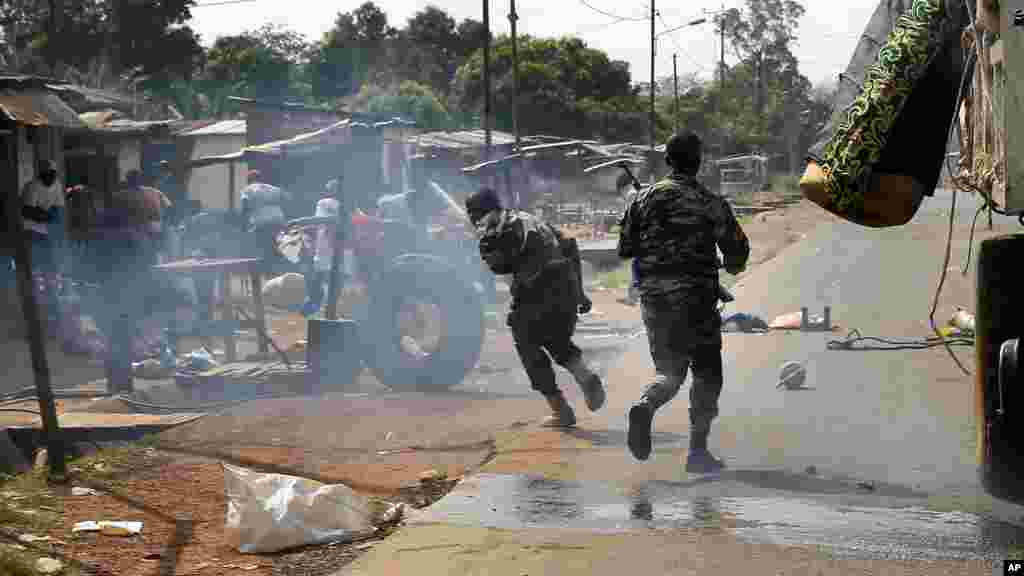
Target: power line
x=604 y=26
x=679 y=48
x=223 y=3
x=609 y=14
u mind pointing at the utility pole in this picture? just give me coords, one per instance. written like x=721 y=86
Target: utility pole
x=721 y=56
x=512 y=18
x=675 y=90
x=33 y=323
x=487 y=78
x=114 y=40
x=53 y=31
x=653 y=44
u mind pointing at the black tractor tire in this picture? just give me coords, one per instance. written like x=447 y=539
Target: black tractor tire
x=424 y=278
x=999 y=316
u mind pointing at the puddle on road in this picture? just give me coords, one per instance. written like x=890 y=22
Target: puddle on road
x=850 y=531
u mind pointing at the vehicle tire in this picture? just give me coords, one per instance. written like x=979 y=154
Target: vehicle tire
x=999 y=316
x=432 y=281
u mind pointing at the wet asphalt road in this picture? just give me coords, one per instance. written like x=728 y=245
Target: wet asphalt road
x=888 y=438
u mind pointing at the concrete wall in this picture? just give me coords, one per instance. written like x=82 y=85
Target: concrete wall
x=209 y=184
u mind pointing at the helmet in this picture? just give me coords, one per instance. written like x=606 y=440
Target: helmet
x=480 y=203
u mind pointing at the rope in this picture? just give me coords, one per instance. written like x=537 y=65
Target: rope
x=855 y=337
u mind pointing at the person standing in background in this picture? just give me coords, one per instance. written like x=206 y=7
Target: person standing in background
x=318 y=261
x=43 y=204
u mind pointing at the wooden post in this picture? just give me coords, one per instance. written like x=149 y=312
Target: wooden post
x=340 y=233
x=487 y=80
x=231 y=186
x=513 y=18
x=33 y=325
x=261 y=317
x=228 y=314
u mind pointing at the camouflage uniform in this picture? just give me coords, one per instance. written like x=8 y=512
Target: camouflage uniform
x=546 y=297
x=671 y=230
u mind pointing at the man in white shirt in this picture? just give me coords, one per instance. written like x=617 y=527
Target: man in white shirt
x=43 y=210
x=319 y=266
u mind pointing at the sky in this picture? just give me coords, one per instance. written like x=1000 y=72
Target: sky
x=826 y=38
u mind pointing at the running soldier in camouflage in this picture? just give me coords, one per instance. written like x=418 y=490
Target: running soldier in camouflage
x=547 y=295
x=671 y=230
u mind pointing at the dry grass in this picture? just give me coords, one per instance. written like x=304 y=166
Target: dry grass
x=15 y=563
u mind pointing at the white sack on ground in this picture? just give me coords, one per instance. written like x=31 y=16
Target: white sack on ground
x=285 y=291
x=272 y=512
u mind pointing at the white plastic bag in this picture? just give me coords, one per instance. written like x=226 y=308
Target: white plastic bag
x=272 y=512
x=285 y=291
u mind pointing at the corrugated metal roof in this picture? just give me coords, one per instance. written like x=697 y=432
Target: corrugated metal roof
x=111 y=122
x=222 y=128
x=462 y=140
x=85 y=99
x=37 y=108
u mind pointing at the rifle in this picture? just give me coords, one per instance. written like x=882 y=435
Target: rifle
x=723 y=293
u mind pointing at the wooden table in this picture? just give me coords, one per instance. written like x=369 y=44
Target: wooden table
x=225 y=268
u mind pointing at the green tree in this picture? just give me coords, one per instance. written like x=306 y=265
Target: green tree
x=433 y=51
x=762 y=34
x=352 y=53
x=410 y=100
x=561 y=81
x=106 y=38
x=269 y=62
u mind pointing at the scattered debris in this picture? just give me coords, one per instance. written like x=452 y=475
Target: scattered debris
x=792 y=376
x=109 y=528
x=432 y=476
x=49 y=566
x=411 y=347
x=81 y=491
x=152 y=369
x=201 y=360
x=963 y=320
x=743 y=322
x=31 y=538
x=805 y=322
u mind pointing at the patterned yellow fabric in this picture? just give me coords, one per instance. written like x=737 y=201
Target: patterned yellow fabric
x=861 y=135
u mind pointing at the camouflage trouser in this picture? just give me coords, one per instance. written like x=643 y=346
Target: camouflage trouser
x=684 y=332
x=539 y=335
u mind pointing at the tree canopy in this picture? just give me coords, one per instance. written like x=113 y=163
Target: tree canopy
x=429 y=68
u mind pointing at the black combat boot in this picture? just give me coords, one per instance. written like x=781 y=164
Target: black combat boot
x=589 y=383
x=562 y=415
x=700 y=460
x=638 y=437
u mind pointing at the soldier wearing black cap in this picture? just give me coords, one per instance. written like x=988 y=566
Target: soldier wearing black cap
x=671 y=231
x=547 y=295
